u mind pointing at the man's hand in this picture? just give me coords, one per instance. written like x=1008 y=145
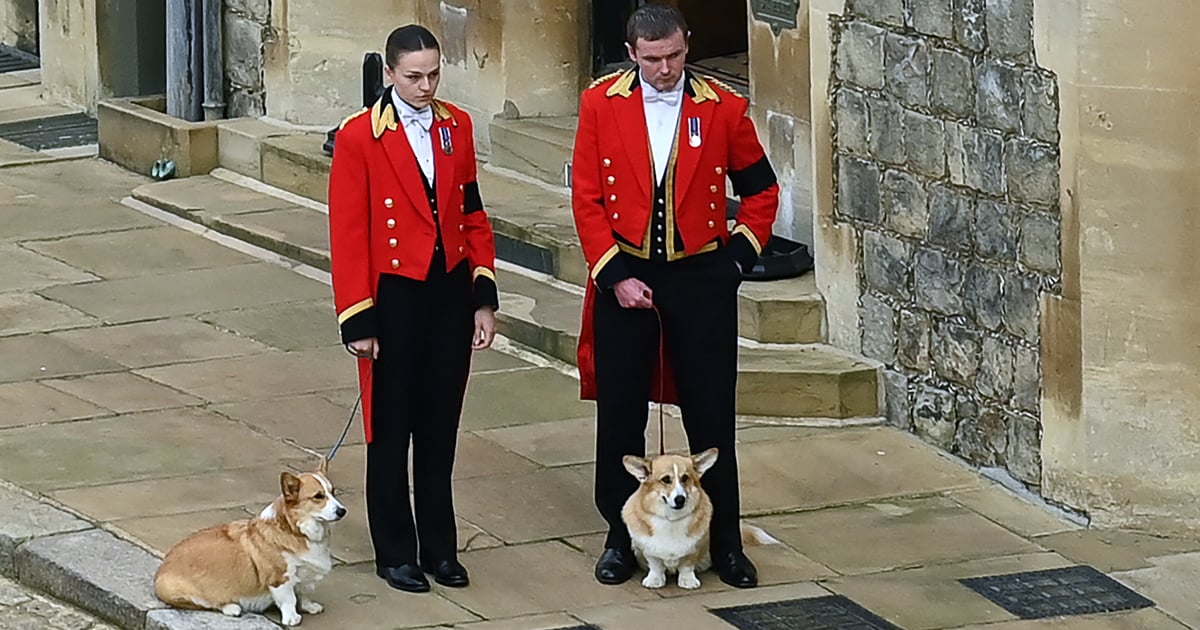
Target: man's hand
x=365 y=348
x=633 y=293
x=485 y=328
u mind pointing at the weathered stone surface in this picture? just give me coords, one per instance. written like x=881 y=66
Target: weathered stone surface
x=998 y=93
x=1010 y=27
x=257 y=10
x=952 y=83
x=951 y=213
x=996 y=370
x=860 y=55
x=937 y=282
x=22 y=608
x=995 y=231
x=905 y=204
x=1040 y=113
x=984 y=296
x=934 y=415
x=886 y=11
x=1027 y=379
x=852 y=122
x=983 y=438
x=925 y=144
x=1021 y=311
x=970 y=25
x=858 y=189
x=94 y=569
x=1032 y=171
x=955 y=352
x=243 y=51
x=243 y=102
x=1040 y=243
x=906 y=63
x=191 y=620
x=23 y=518
x=975 y=158
x=895 y=397
x=885 y=263
x=912 y=341
x=887 y=130
x=1025 y=448
x=878 y=322
x=933 y=17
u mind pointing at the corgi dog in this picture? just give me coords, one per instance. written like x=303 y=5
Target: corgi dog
x=275 y=558
x=669 y=515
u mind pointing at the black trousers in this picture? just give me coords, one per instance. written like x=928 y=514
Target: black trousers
x=697 y=299
x=420 y=379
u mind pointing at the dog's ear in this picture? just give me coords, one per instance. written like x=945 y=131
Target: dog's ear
x=323 y=467
x=290 y=484
x=637 y=467
x=704 y=461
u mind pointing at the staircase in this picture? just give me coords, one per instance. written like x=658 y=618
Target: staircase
x=785 y=371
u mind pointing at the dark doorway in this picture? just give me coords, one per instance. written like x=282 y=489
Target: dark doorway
x=132 y=44
x=718 y=45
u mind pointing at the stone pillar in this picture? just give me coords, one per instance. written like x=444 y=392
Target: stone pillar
x=1121 y=429
x=69 y=51
x=19 y=24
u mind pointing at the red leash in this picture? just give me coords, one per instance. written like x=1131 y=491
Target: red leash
x=662 y=378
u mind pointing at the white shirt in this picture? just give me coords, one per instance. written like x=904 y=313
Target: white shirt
x=417 y=123
x=662 y=121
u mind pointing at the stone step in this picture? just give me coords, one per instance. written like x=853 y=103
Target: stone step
x=537 y=147
x=539 y=311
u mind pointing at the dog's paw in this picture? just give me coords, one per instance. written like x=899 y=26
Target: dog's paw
x=233 y=610
x=311 y=607
x=654 y=580
x=689 y=581
x=291 y=620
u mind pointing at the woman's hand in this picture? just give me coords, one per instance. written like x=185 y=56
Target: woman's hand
x=364 y=348
x=485 y=328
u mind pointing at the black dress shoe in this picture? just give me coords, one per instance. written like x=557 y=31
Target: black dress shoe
x=615 y=566
x=735 y=569
x=406 y=577
x=447 y=573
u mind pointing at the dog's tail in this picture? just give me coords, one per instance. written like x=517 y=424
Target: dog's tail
x=752 y=535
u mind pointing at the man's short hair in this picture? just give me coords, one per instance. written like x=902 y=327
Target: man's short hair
x=653 y=22
x=406 y=39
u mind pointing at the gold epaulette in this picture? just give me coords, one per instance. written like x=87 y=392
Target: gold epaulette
x=604 y=78
x=724 y=86
x=442 y=112
x=353 y=116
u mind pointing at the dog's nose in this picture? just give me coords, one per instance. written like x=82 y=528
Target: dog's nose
x=678 y=501
x=340 y=512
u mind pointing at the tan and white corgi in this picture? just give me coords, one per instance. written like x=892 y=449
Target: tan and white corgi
x=248 y=565
x=669 y=515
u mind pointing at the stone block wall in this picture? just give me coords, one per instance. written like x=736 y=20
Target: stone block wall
x=247 y=24
x=946 y=164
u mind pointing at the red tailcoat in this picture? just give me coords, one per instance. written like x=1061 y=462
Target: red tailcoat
x=381 y=221
x=613 y=180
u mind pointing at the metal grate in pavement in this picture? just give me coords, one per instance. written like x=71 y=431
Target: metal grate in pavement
x=71 y=130
x=1078 y=590
x=820 y=613
x=524 y=254
x=12 y=59
x=588 y=627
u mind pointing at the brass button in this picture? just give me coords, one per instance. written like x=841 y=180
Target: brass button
x=720 y=171
x=461 y=249
x=616 y=216
x=711 y=224
x=461 y=227
x=607 y=162
x=460 y=187
x=612 y=198
x=712 y=206
x=391 y=223
x=393 y=242
x=713 y=188
x=462 y=208
x=395 y=264
x=611 y=180
x=388 y=203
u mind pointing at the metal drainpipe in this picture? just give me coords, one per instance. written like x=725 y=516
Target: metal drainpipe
x=179 y=70
x=214 y=61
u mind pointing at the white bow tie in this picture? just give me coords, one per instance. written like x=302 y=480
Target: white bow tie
x=670 y=97
x=422 y=117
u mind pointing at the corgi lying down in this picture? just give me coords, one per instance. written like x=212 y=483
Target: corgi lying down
x=668 y=517
x=248 y=565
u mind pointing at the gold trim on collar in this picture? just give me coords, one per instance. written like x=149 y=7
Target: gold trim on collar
x=724 y=86
x=624 y=86
x=443 y=113
x=603 y=79
x=383 y=116
x=704 y=91
x=355 y=310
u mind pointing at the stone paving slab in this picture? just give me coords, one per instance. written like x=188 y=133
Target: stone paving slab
x=23 y=313
x=43 y=356
x=260 y=376
x=22 y=608
x=1171 y=583
x=34 y=403
x=298 y=233
x=28 y=219
x=309 y=420
x=692 y=611
x=123 y=392
x=489 y=403
x=160 y=533
x=23 y=518
x=1117 y=550
x=161 y=342
x=189 y=620
x=26 y=270
x=94 y=569
x=152 y=251
x=290 y=326
x=525 y=507
x=1138 y=620
x=1001 y=506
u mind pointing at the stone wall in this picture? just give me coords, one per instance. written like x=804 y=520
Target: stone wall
x=247 y=24
x=19 y=24
x=946 y=168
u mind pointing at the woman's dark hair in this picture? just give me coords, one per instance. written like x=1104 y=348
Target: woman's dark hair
x=406 y=39
x=653 y=22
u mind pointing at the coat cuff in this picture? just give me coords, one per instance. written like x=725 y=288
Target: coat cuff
x=486 y=291
x=743 y=250
x=613 y=271
x=361 y=325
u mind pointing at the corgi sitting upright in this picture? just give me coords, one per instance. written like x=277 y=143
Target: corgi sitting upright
x=669 y=515
x=248 y=565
